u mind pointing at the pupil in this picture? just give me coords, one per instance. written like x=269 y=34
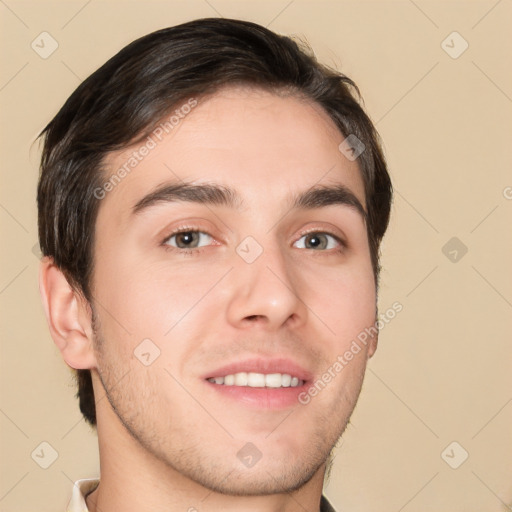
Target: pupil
x=187 y=237
x=314 y=241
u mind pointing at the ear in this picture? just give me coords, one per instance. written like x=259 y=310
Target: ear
x=69 y=317
x=372 y=346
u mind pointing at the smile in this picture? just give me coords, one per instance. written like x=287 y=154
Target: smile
x=258 y=380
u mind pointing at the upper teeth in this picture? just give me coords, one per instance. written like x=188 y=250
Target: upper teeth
x=258 y=380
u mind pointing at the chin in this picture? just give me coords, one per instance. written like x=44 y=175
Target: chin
x=262 y=481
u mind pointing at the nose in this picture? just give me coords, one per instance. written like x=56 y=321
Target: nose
x=265 y=293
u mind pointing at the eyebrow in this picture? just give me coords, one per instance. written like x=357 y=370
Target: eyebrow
x=317 y=196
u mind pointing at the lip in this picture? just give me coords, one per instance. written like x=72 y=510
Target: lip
x=261 y=398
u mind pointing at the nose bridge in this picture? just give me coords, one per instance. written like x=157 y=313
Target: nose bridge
x=264 y=285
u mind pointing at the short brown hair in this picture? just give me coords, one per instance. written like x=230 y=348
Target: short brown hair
x=121 y=102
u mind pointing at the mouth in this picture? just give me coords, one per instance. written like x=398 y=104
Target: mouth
x=258 y=380
x=260 y=383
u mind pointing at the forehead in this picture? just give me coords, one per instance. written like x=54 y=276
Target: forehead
x=262 y=144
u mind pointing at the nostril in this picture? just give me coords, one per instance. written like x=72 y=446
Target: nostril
x=254 y=317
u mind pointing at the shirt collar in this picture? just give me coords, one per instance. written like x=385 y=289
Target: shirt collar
x=85 y=486
x=80 y=490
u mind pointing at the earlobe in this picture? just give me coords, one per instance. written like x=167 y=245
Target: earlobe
x=374 y=334
x=373 y=345
x=68 y=316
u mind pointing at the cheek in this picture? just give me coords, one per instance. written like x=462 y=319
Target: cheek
x=152 y=300
x=135 y=299
x=346 y=304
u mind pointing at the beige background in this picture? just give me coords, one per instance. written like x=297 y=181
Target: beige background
x=442 y=371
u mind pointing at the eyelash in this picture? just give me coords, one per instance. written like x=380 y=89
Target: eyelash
x=195 y=252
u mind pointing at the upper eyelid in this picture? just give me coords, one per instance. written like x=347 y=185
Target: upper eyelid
x=322 y=231
x=185 y=229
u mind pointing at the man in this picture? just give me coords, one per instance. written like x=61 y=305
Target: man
x=211 y=206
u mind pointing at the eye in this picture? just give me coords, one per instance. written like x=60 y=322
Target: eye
x=318 y=240
x=190 y=239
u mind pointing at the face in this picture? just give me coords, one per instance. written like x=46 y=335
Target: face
x=217 y=311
